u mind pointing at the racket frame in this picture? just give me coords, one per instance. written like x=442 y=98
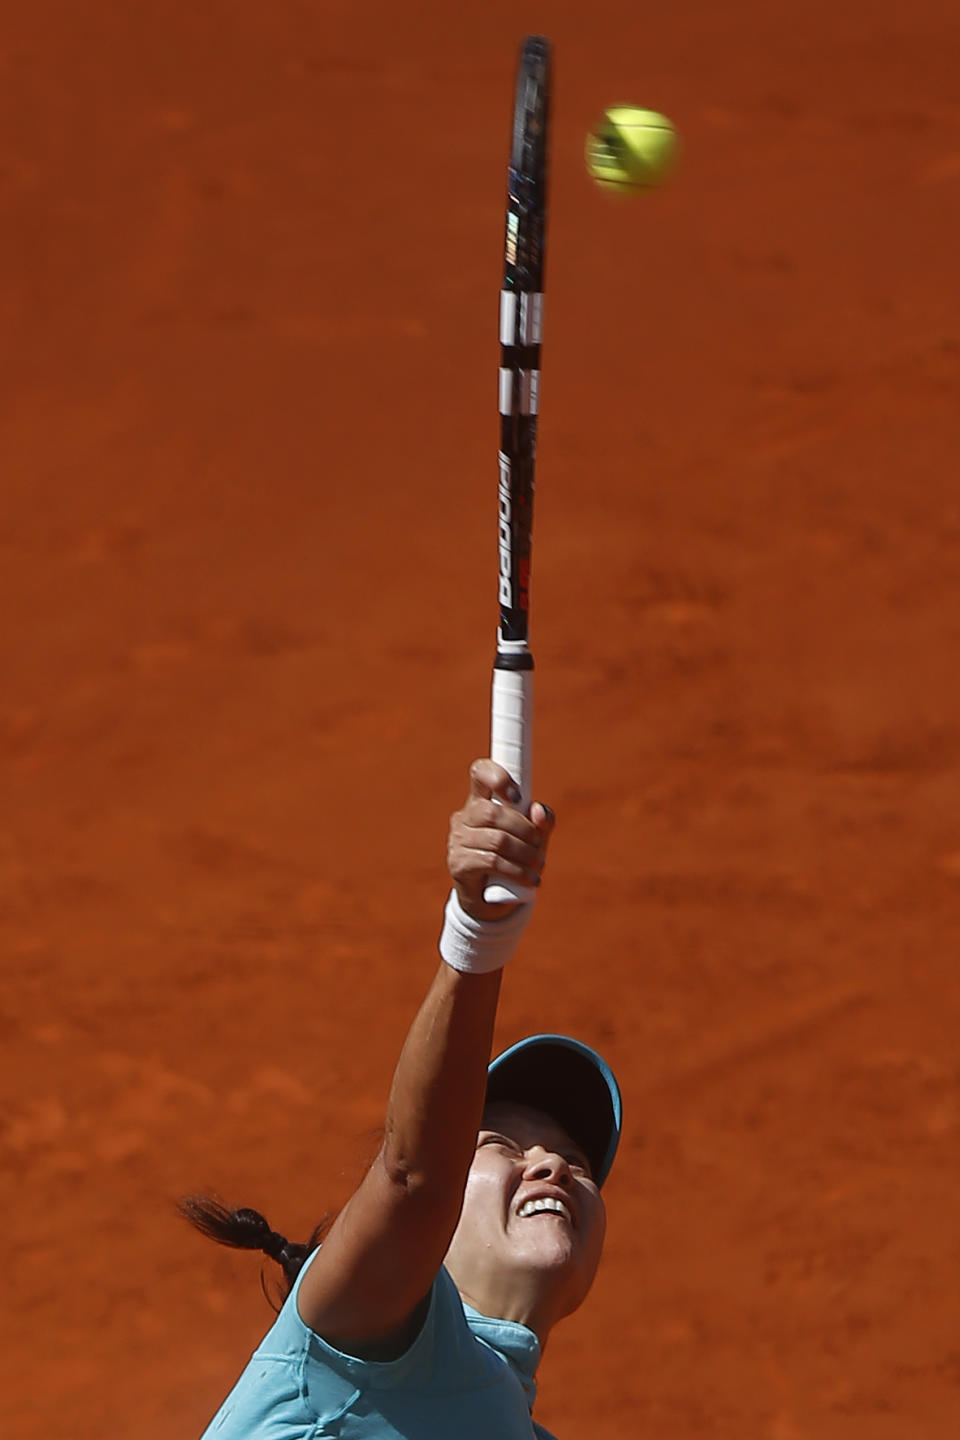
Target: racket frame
x=521 y=330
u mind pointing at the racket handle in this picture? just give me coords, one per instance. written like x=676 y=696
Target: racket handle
x=511 y=745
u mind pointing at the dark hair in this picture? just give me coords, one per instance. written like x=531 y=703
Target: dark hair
x=247 y=1229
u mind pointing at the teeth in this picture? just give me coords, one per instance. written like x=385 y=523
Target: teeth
x=545 y=1205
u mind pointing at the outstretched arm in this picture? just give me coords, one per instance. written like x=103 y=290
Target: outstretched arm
x=366 y=1290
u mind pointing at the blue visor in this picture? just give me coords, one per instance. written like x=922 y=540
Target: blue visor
x=568 y=1081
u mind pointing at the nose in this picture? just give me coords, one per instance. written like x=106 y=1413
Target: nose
x=548 y=1165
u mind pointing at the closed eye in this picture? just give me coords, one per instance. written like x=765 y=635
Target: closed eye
x=577 y=1161
x=490 y=1138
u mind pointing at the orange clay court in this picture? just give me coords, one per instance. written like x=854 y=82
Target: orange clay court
x=249 y=263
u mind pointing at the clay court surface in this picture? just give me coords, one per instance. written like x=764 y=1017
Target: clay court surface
x=249 y=260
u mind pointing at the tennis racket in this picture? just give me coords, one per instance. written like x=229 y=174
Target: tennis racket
x=521 y=319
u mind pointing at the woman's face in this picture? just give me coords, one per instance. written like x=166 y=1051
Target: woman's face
x=533 y=1218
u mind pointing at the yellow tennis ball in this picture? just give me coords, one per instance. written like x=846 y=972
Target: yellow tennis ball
x=631 y=149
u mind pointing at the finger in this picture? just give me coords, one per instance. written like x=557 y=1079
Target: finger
x=544 y=819
x=494 y=815
x=476 y=867
x=469 y=852
x=488 y=779
x=500 y=842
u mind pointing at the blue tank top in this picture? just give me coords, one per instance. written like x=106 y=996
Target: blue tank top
x=465 y=1375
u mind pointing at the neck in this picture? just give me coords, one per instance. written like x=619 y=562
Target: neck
x=537 y=1314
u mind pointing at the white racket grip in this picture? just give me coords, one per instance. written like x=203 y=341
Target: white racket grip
x=511 y=745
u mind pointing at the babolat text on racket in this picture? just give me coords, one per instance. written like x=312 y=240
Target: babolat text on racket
x=521 y=323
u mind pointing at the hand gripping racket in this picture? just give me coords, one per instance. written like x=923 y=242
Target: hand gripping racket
x=521 y=317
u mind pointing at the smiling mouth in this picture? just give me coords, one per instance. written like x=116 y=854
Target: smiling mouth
x=545 y=1206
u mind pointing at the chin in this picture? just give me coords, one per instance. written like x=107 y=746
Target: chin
x=560 y=1256
x=550 y=1256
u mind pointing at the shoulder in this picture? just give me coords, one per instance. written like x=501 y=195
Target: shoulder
x=437 y=1319
x=442 y=1347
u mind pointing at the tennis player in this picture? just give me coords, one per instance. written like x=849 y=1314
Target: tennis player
x=425 y=1310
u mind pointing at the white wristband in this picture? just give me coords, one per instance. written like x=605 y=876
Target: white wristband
x=476 y=946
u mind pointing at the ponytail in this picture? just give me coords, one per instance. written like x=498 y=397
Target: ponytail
x=247 y=1229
